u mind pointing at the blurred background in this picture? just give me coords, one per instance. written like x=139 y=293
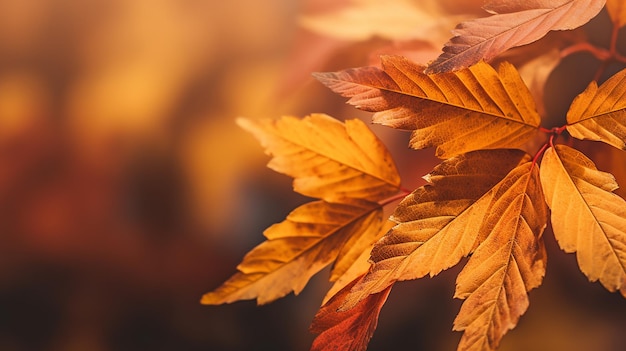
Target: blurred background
x=127 y=191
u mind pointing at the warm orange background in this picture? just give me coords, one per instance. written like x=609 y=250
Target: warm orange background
x=127 y=191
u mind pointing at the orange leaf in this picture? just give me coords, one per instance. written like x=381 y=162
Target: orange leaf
x=600 y=113
x=344 y=163
x=312 y=237
x=329 y=160
x=587 y=217
x=347 y=330
x=617 y=11
x=475 y=108
x=514 y=23
x=358 y=267
x=438 y=223
x=508 y=264
x=536 y=62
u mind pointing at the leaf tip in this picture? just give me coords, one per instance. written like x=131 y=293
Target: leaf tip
x=244 y=122
x=323 y=77
x=428 y=178
x=209 y=299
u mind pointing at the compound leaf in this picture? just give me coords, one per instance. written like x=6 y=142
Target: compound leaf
x=343 y=164
x=438 y=223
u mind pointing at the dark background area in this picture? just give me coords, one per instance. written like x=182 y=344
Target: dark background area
x=127 y=191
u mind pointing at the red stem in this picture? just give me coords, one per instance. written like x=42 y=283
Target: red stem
x=402 y=194
x=540 y=152
x=613 y=45
x=600 y=53
x=554 y=132
x=603 y=55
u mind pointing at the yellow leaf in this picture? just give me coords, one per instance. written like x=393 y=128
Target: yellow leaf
x=471 y=109
x=313 y=236
x=343 y=164
x=600 y=113
x=587 y=217
x=535 y=64
x=438 y=223
x=329 y=160
x=617 y=11
x=509 y=263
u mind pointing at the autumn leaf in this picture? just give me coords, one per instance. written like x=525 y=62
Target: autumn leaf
x=617 y=11
x=535 y=62
x=347 y=330
x=600 y=113
x=535 y=73
x=329 y=160
x=358 y=267
x=437 y=224
x=607 y=158
x=471 y=109
x=587 y=217
x=487 y=203
x=506 y=265
x=513 y=23
x=343 y=163
x=312 y=237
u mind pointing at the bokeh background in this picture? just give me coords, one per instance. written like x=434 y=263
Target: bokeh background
x=127 y=191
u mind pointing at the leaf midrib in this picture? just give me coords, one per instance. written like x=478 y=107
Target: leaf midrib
x=448 y=103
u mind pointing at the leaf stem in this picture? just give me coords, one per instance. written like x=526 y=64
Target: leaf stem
x=603 y=55
x=540 y=152
x=613 y=44
x=402 y=194
x=600 y=71
x=600 y=53
x=553 y=133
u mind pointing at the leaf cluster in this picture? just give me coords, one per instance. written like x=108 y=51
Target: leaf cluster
x=490 y=198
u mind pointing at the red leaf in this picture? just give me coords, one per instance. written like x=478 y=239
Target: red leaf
x=349 y=330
